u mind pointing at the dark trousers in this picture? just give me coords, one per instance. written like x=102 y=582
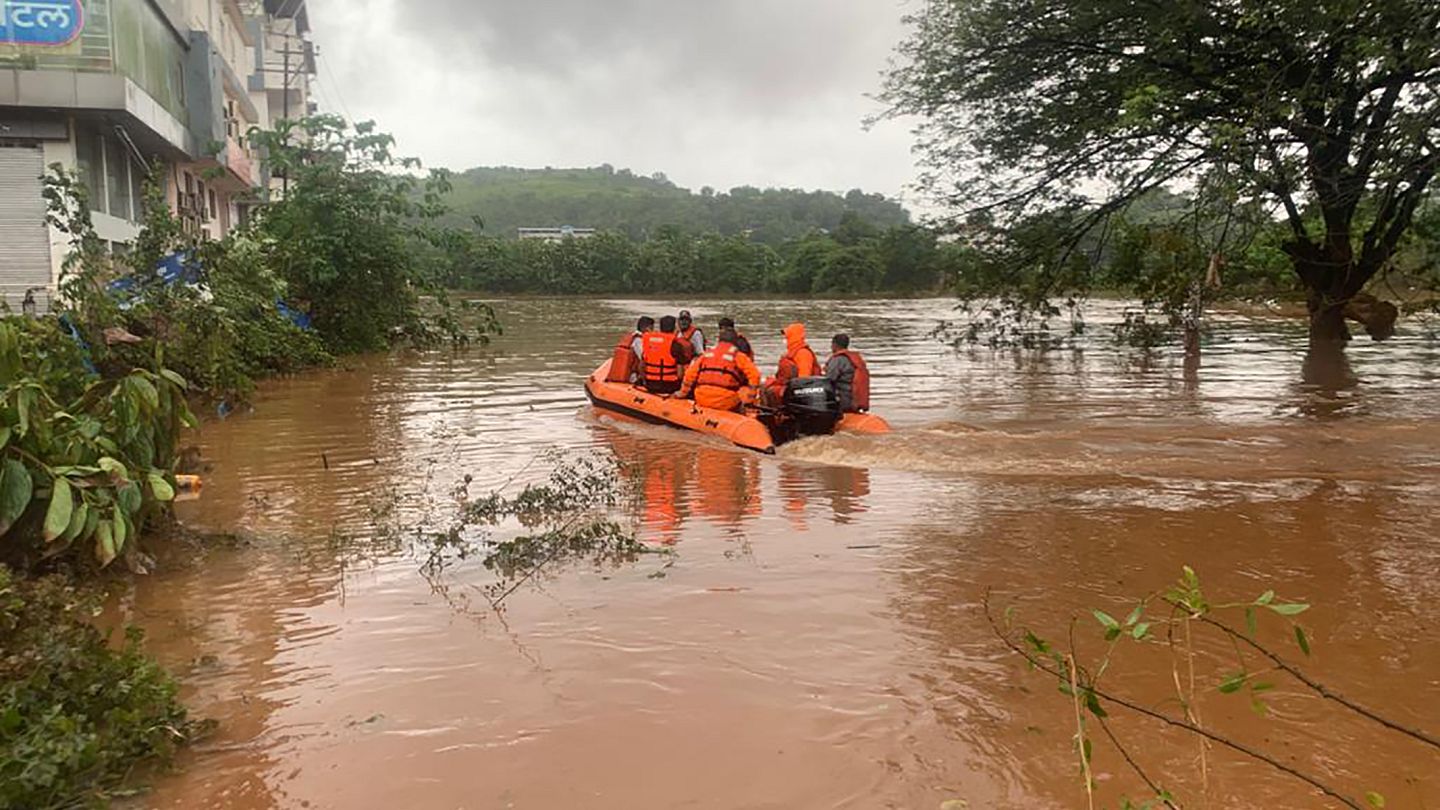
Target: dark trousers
x=662 y=386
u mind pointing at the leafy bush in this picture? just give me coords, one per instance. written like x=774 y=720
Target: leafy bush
x=82 y=459
x=219 y=327
x=78 y=715
x=346 y=235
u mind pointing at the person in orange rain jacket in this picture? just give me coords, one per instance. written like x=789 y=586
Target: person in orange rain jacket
x=662 y=358
x=722 y=378
x=630 y=352
x=851 y=377
x=799 y=361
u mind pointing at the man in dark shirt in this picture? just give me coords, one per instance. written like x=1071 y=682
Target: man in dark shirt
x=740 y=342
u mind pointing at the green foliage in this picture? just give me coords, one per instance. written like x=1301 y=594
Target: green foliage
x=1169 y=623
x=347 y=234
x=640 y=207
x=84 y=461
x=567 y=518
x=901 y=259
x=76 y=714
x=219 y=333
x=1322 y=112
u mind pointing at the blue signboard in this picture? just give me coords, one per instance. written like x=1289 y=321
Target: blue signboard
x=40 y=22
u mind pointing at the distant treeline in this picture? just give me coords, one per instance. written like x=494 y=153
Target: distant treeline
x=608 y=199
x=855 y=258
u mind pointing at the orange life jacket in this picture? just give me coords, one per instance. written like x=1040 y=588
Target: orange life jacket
x=860 y=386
x=719 y=368
x=801 y=361
x=687 y=334
x=622 y=365
x=659 y=358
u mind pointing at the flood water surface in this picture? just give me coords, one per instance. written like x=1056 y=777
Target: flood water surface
x=818 y=639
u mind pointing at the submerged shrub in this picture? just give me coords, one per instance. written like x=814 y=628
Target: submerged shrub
x=76 y=715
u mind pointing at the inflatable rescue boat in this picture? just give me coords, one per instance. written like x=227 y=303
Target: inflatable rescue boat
x=810 y=408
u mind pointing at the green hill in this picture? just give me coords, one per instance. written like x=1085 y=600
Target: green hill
x=618 y=200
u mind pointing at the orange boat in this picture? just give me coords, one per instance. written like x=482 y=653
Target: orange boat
x=755 y=428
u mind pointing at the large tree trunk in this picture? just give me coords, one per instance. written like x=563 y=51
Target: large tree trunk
x=1327 y=320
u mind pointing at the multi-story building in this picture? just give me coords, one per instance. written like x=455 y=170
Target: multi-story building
x=124 y=89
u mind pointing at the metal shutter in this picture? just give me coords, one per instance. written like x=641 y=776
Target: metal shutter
x=24 y=239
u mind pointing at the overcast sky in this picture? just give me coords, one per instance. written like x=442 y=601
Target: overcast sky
x=711 y=92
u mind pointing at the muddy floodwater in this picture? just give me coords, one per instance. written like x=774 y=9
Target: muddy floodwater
x=817 y=640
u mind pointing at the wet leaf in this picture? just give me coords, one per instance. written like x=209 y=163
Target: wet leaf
x=1250 y=622
x=1259 y=707
x=91 y=521
x=1289 y=608
x=1112 y=634
x=1092 y=702
x=1261 y=686
x=1134 y=615
x=57 y=516
x=16 y=489
x=1106 y=619
x=105 y=543
x=1374 y=799
x=160 y=487
x=79 y=515
x=1141 y=631
x=1233 y=683
x=121 y=530
x=145 y=390
x=1302 y=640
x=174 y=378
x=129 y=497
x=24 y=403
x=1266 y=598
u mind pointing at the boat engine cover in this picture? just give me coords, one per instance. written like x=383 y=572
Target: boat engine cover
x=813 y=400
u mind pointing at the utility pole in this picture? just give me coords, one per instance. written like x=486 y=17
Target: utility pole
x=285 y=116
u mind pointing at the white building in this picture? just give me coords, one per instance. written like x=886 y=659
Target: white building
x=119 y=88
x=555 y=234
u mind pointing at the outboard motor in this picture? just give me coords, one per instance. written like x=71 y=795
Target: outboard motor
x=813 y=404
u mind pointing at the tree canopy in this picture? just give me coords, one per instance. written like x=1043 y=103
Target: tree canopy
x=1322 y=114
x=606 y=198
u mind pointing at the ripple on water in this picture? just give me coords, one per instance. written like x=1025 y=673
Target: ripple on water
x=819 y=639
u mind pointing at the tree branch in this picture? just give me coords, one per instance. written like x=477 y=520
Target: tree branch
x=1220 y=739
x=1319 y=688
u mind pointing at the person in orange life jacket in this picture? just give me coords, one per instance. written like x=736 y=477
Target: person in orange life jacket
x=662 y=358
x=851 y=377
x=741 y=342
x=625 y=365
x=722 y=378
x=799 y=361
x=690 y=333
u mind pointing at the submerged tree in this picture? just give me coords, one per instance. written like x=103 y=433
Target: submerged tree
x=1324 y=111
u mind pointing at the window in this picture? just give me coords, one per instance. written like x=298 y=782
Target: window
x=90 y=157
x=137 y=190
x=117 y=179
x=214 y=209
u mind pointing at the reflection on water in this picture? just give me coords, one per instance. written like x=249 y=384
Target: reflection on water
x=817 y=640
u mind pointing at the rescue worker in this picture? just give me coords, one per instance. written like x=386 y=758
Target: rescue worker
x=690 y=333
x=741 y=342
x=625 y=364
x=722 y=378
x=663 y=356
x=799 y=361
x=847 y=370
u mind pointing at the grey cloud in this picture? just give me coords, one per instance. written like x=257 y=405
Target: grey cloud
x=757 y=52
x=721 y=93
